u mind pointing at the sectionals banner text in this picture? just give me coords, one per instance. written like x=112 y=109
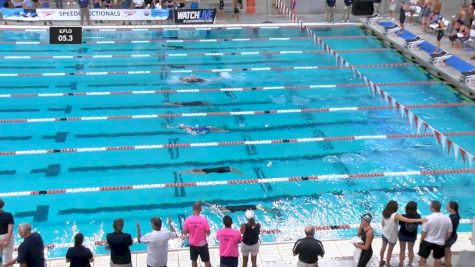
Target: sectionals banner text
x=73 y=14
x=195 y=16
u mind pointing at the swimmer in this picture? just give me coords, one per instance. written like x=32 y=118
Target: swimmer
x=198 y=130
x=188 y=104
x=192 y=79
x=237 y=208
x=203 y=171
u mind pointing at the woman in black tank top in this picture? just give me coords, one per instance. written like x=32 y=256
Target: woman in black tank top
x=365 y=232
x=250 y=239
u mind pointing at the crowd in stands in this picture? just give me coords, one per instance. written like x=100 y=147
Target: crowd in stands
x=439 y=233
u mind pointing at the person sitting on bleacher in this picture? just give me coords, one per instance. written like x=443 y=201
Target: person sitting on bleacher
x=459 y=35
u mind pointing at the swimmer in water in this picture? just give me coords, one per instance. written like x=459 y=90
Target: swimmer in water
x=237 y=208
x=192 y=79
x=197 y=79
x=203 y=171
x=198 y=130
x=188 y=104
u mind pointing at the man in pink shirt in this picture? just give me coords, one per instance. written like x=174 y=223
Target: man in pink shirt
x=228 y=243
x=197 y=229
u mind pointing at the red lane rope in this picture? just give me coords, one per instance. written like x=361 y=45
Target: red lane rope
x=369 y=175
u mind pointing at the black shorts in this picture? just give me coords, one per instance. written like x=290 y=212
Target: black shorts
x=236 y=10
x=440 y=34
x=451 y=241
x=426 y=248
x=402 y=16
x=202 y=251
x=228 y=262
x=221 y=5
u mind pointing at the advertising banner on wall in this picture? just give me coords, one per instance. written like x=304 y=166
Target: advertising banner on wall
x=73 y=14
x=195 y=16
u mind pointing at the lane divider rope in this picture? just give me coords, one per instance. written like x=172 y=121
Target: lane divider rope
x=147 y=72
x=368 y=175
x=209 y=90
x=227 y=113
x=225 y=143
x=244 y=53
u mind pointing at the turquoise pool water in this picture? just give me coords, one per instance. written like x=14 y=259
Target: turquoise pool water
x=287 y=206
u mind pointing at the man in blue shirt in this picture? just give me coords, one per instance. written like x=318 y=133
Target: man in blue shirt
x=347 y=12
x=84 y=11
x=330 y=9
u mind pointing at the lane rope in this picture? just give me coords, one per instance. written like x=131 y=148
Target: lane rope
x=244 y=53
x=225 y=143
x=209 y=90
x=226 y=113
x=368 y=175
x=147 y=72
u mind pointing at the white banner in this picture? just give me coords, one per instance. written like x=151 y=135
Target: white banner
x=73 y=14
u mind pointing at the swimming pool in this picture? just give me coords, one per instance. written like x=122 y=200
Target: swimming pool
x=98 y=115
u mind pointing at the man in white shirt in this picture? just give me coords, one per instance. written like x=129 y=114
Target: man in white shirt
x=157 y=242
x=435 y=232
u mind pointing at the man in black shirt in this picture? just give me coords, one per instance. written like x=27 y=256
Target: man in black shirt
x=119 y=244
x=79 y=255
x=6 y=234
x=308 y=249
x=30 y=251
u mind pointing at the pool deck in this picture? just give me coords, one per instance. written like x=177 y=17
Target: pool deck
x=337 y=253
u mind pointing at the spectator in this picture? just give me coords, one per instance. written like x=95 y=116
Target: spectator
x=138 y=4
x=390 y=224
x=197 y=228
x=453 y=209
x=79 y=255
x=181 y=3
x=221 y=9
x=413 y=5
x=392 y=9
x=6 y=234
x=30 y=251
x=405 y=6
x=119 y=243
x=330 y=10
x=107 y=4
x=157 y=242
x=229 y=240
x=84 y=12
x=236 y=10
x=293 y=5
x=97 y=4
x=408 y=233
x=366 y=233
x=440 y=33
x=347 y=12
x=250 y=239
x=436 y=8
x=376 y=6
x=435 y=232
x=459 y=34
x=425 y=13
x=308 y=249
x=59 y=4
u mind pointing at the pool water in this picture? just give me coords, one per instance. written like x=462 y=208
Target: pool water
x=91 y=88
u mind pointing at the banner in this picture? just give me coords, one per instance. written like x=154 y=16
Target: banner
x=73 y=14
x=195 y=16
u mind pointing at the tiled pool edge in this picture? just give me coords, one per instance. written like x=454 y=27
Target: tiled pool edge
x=338 y=253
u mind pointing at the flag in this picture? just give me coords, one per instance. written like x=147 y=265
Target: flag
x=463 y=154
x=449 y=145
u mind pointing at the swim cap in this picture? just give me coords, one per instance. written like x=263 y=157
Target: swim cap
x=249 y=214
x=367 y=217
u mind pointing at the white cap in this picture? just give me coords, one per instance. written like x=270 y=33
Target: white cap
x=249 y=214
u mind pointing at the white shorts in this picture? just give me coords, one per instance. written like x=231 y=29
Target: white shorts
x=392 y=7
x=7 y=251
x=253 y=249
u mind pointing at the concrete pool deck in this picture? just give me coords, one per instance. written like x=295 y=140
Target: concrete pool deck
x=337 y=253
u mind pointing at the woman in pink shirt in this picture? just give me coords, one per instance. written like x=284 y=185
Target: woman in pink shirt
x=229 y=240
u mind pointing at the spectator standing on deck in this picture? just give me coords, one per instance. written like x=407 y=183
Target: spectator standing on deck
x=197 y=229
x=6 y=234
x=157 y=242
x=308 y=249
x=347 y=11
x=30 y=251
x=435 y=232
x=366 y=233
x=408 y=233
x=453 y=209
x=84 y=12
x=436 y=8
x=79 y=255
x=119 y=243
x=405 y=6
x=440 y=33
x=425 y=13
x=330 y=10
x=250 y=239
x=390 y=224
x=236 y=10
x=392 y=9
x=229 y=240
x=376 y=6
